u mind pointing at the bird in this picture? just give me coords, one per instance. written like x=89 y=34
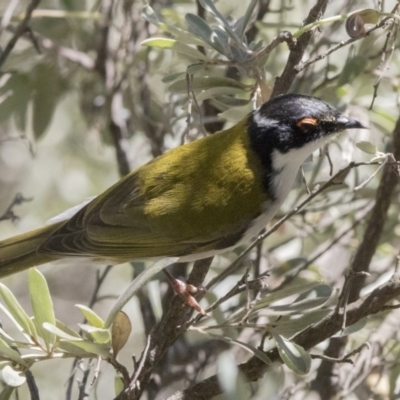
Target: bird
x=200 y=199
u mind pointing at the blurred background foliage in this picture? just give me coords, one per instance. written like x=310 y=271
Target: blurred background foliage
x=95 y=88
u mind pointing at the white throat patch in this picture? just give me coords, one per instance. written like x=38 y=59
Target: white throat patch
x=288 y=164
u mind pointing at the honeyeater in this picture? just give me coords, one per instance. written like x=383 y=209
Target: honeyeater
x=200 y=199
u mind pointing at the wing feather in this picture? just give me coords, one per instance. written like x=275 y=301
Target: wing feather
x=190 y=200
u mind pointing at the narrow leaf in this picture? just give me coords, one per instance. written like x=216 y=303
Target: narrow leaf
x=208 y=82
x=137 y=284
x=118 y=385
x=172 y=44
x=210 y=6
x=368 y=15
x=90 y=316
x=367 y=147
x=70 y=348
x=99 y=335
x=67 y=329
x=293 y=355
x=42 y=305
x=59 y=332
x=247 y=17
x=6 y=393
x=355 y=327
x=98 y=349
x=182 y=35
x=352 y=69
x=45 y=95
x=149 y=15
x=252 y=350
x=17 y=311
x=204 y=31
x=228 y=374
x=295 y=288
x=7 y=352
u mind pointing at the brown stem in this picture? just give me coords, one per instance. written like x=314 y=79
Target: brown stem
x=254 y=369
x=283 y=82
x=376 y=222
x=165 y=334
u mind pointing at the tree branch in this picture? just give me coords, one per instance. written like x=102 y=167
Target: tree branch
x=283 y=83
x=376 y=222
x=164 y=334
x=254 y=369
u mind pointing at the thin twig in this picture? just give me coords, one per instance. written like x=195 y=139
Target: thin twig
x=383 y=64
x=346 y=358
x=9 y=213
x=33 y=389
x=345 y=42
x=21 y=29
x=336 y=179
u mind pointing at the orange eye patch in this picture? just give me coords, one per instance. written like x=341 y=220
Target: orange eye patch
x=307 y=122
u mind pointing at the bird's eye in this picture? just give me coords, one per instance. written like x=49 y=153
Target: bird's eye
x=307 y=124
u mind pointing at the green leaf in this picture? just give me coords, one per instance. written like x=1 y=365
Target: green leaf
x=296 y=287
x=311 y=300
x=228 y=375
x=99 y=335
x=59 y=332
x=7 y=352
x=137 y=284
x=90 y=348
x=352 y=69
x=210 y=7
x=120 y=331
x=67 y=329
x=204 y=31
x=208 y=82
x=42 y=305
x=182 y=35
x=11 y=377
x=247 y=16
x=6 y=337
x=6 y=393
x=45 y=96
x=14 y=96
x=90 y=316
x=149 y=15
x=219 y=91
x=172 y=44
x=230 y=101
x=355 y=327
x=293 y=355
x=17 y=312
x=368 y=15
x=288 y=326
x=118 y=385
x=252 y=350
x=367 y=147
x=172 y=77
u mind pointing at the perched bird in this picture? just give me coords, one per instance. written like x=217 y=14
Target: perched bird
x=195 y=201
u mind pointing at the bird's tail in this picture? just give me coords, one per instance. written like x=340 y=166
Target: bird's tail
x=21 y=252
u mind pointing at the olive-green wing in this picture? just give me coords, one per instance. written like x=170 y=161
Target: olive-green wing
x=195 y=198
x=116 y=226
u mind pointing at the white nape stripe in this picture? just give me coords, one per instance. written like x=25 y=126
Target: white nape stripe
x=263 y=122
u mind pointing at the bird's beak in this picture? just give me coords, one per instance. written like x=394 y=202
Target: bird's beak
x=344 y=122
